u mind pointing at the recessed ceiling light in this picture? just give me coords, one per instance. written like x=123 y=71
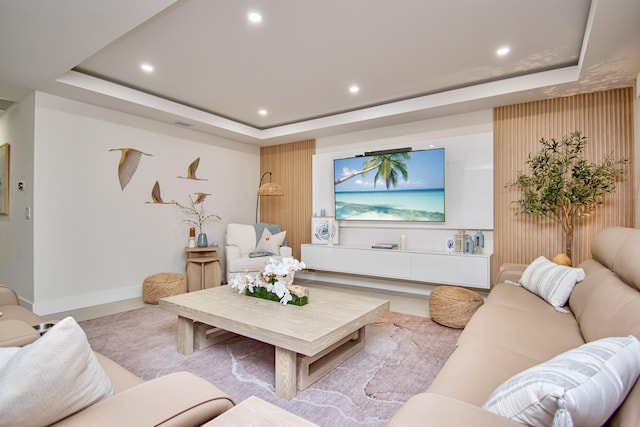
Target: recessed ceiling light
x=502 y=51
x=262 y=112
x=255 y=17
x=354 y=89
x=147 y=68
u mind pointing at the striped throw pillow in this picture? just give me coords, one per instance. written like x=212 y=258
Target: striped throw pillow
x=551 y=281
x=581 y=387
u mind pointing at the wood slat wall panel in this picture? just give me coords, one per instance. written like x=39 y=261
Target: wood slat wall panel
x=290 y=165
x=606 y=118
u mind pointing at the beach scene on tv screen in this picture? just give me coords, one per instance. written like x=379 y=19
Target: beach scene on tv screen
x=391 y=187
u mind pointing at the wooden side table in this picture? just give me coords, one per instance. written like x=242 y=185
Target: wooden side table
x=203 y=268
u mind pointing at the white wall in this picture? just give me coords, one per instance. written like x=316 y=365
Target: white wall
x=95 y=243
x=468 y=143
x=16 y=232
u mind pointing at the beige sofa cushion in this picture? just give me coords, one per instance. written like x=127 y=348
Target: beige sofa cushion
x=618 y=249
x=516 y=297
x=16 y=333
x=523 y=332
x=604 y=305
x=18 y=312
x=50 y=379
x=430 y=409
x=465 y=375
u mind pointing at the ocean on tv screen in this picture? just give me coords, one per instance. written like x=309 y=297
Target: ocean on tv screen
x=408 y=205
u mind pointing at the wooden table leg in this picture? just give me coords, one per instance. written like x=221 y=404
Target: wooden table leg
x=285 y=373
x=186 y=334
x=311 y=369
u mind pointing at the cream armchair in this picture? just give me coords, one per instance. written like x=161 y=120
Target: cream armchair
x=242 y=247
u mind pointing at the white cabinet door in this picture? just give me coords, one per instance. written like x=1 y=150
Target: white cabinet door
x=436 y=268
x=451 y=269
x=368 y=262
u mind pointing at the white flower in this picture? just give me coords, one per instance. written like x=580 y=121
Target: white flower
x=242 y=281
x=274 y=278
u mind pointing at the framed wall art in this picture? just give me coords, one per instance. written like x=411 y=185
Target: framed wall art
x=4 y=179
x=320 y=226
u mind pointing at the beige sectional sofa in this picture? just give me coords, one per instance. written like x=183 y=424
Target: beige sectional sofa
x=516 y=330
x=178 y=399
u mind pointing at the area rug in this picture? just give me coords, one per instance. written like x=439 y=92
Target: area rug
x=402 y=356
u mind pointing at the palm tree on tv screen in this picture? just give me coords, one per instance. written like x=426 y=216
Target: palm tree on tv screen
x=389 y=167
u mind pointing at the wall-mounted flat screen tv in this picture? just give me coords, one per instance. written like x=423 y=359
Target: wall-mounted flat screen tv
x=406 y=186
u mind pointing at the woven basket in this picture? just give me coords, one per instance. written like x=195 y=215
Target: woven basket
x=163 y=285
x=453 y=306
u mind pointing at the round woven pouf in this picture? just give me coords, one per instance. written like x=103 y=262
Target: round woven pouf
x=163 y=285
x=453 y=306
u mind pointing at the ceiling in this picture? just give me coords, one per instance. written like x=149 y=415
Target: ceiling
x=412 y=59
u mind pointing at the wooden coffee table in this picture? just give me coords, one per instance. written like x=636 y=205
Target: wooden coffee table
x=309 y=341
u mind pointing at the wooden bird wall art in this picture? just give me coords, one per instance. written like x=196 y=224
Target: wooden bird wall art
x=156 y=197
x=200 y=197
x=129 y=161
x=191 y=172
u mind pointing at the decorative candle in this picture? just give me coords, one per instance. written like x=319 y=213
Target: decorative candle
x=403 y=242
x=192 y=237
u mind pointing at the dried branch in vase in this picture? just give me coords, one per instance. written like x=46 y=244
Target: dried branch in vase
x=195 y=213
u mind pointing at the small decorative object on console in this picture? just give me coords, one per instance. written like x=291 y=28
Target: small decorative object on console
x=324 y=230
x=384 y=246
x=468 y=245
x=479 y=241
x=275 y=282
x=449 y=246
x=458 y=242
x=192 y=237
x=403 y=242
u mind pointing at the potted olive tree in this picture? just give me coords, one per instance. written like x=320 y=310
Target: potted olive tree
x=562 y=185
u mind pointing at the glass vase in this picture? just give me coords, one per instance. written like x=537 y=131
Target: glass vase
x=202 y=240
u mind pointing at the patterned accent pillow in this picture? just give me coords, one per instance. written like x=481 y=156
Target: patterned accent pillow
x=50 y=379
x=270 y=242
x=582 y=386
x=551 y=281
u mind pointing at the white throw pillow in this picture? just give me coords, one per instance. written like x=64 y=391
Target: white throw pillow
x=50 y=379
x=270 y=242
x=588 y=383
x=551 y=281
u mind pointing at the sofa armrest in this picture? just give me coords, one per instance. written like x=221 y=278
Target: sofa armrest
x=16 y=333
x=231 y=252
x=286 y=251
x=177 y=399
x=8 y=296
x=442 y=411
x=510 y=272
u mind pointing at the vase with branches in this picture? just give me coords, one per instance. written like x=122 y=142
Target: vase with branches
x=196 y=215
x=562 y=185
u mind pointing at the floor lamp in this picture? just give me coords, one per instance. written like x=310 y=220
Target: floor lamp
x=267 y=189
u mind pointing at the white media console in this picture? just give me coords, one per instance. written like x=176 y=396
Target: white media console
x=413 y=265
